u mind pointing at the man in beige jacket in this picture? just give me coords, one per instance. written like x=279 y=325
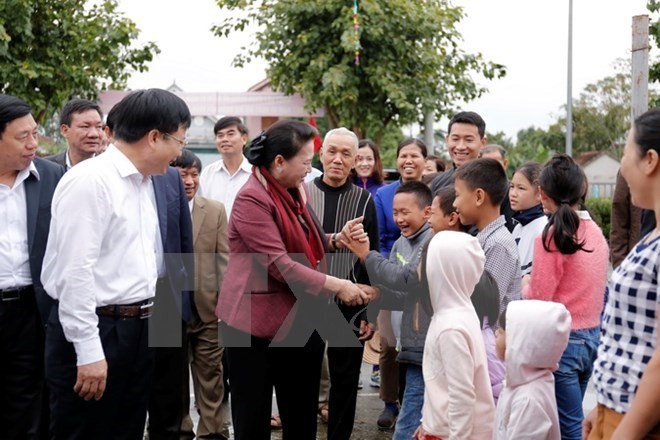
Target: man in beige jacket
x=209 y=220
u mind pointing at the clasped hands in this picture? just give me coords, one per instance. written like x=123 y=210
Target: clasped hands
x=354 y=238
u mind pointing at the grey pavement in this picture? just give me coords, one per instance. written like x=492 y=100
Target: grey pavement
x=369 y=407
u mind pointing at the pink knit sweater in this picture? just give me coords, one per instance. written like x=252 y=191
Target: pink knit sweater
x=577 y=281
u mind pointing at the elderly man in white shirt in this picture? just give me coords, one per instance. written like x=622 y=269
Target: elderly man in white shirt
x=101 y=265
x=223 y=179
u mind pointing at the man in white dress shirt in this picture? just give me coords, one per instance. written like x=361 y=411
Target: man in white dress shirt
x=223 y=179
x=81 y=124
x=101 y=265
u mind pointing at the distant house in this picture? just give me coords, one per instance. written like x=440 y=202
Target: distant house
x=259 y=107
x=601 y=169
x=200 y=134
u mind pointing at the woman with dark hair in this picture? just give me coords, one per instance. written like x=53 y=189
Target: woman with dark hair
x=274 y=287
x=627 y=370
x=368 y=171
x=410 y=156
x=570 y=267
x=433 y=164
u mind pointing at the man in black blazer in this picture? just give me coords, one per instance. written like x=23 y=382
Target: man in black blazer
x=27 y=184
x=173 y=306
x=81 y=124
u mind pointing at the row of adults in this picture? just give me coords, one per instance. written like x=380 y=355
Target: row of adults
x=85 y=257
x=93 y=245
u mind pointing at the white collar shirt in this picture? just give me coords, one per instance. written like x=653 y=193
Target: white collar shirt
x=14 y=255
x=218 y=184
x=67 y=159
x=102 y=246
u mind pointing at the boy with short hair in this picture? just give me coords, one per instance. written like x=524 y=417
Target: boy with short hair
x=443 y=215
x=397 y=280
x=485 y=297
x=481 y=185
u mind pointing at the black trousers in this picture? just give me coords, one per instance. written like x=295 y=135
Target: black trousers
x=167 y=341
x=121 y=412
x=295 y=372
x=21 y=369
x=167 y=387
x=344 y=363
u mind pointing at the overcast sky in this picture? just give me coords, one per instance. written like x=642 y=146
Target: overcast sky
x=530 y=37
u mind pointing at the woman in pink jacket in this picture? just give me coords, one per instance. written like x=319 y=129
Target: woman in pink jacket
x=277 y=251
x=570 y=267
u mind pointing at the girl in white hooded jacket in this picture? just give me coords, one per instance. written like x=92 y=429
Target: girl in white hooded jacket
x=531 y=339
x=458 y=402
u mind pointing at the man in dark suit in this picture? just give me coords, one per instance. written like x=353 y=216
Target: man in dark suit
x=81 y=124
x=211 y=254
x=173 y=307
x=27 y=184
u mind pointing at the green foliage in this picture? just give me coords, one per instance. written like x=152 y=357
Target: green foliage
x=601 y=212
x=390 y=140
x=535 y=144
x=53 y=50
x=410 y=59
x=601 y=115
x=654 y=33
x=500 y=138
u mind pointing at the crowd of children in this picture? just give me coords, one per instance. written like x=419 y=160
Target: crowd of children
x=519 y=367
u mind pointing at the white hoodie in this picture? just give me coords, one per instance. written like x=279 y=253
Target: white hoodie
x=458 y=401
x=536 y=336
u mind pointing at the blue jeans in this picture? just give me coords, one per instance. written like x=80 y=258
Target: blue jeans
x=572 y=378
x=413 y=399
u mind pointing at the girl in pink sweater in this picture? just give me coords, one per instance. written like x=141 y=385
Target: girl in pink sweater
x=570 y=267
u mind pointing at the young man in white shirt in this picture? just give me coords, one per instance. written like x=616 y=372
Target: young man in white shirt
x=101 y=265
x=223 y=179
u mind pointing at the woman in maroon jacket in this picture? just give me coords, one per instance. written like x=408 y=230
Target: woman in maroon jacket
x=273 y=281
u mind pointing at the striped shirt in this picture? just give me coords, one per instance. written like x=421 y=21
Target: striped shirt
x=629 y=329
x=336 y=206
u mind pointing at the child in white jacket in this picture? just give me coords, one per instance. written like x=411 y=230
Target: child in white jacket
x=458 y=402
x=531 y=339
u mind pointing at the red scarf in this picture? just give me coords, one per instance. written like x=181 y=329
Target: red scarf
x=292 y=207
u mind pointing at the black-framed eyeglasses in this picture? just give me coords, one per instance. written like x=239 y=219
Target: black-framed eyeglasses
x=182 y=142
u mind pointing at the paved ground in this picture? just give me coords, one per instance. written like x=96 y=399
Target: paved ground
x=369 y=406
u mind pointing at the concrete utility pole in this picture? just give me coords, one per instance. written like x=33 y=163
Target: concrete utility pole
x=428 y=132
x=640 y=65
x=569 y=84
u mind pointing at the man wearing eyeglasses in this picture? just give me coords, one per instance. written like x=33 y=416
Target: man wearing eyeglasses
x=27 y=184
x=103 y=263
x=81 y=124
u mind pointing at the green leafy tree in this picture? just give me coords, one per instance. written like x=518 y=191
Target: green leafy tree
x=52 y=50
x=654 y=33
x=410 y=57
x=500 y=138
x=535 y=144
x=601 y=115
